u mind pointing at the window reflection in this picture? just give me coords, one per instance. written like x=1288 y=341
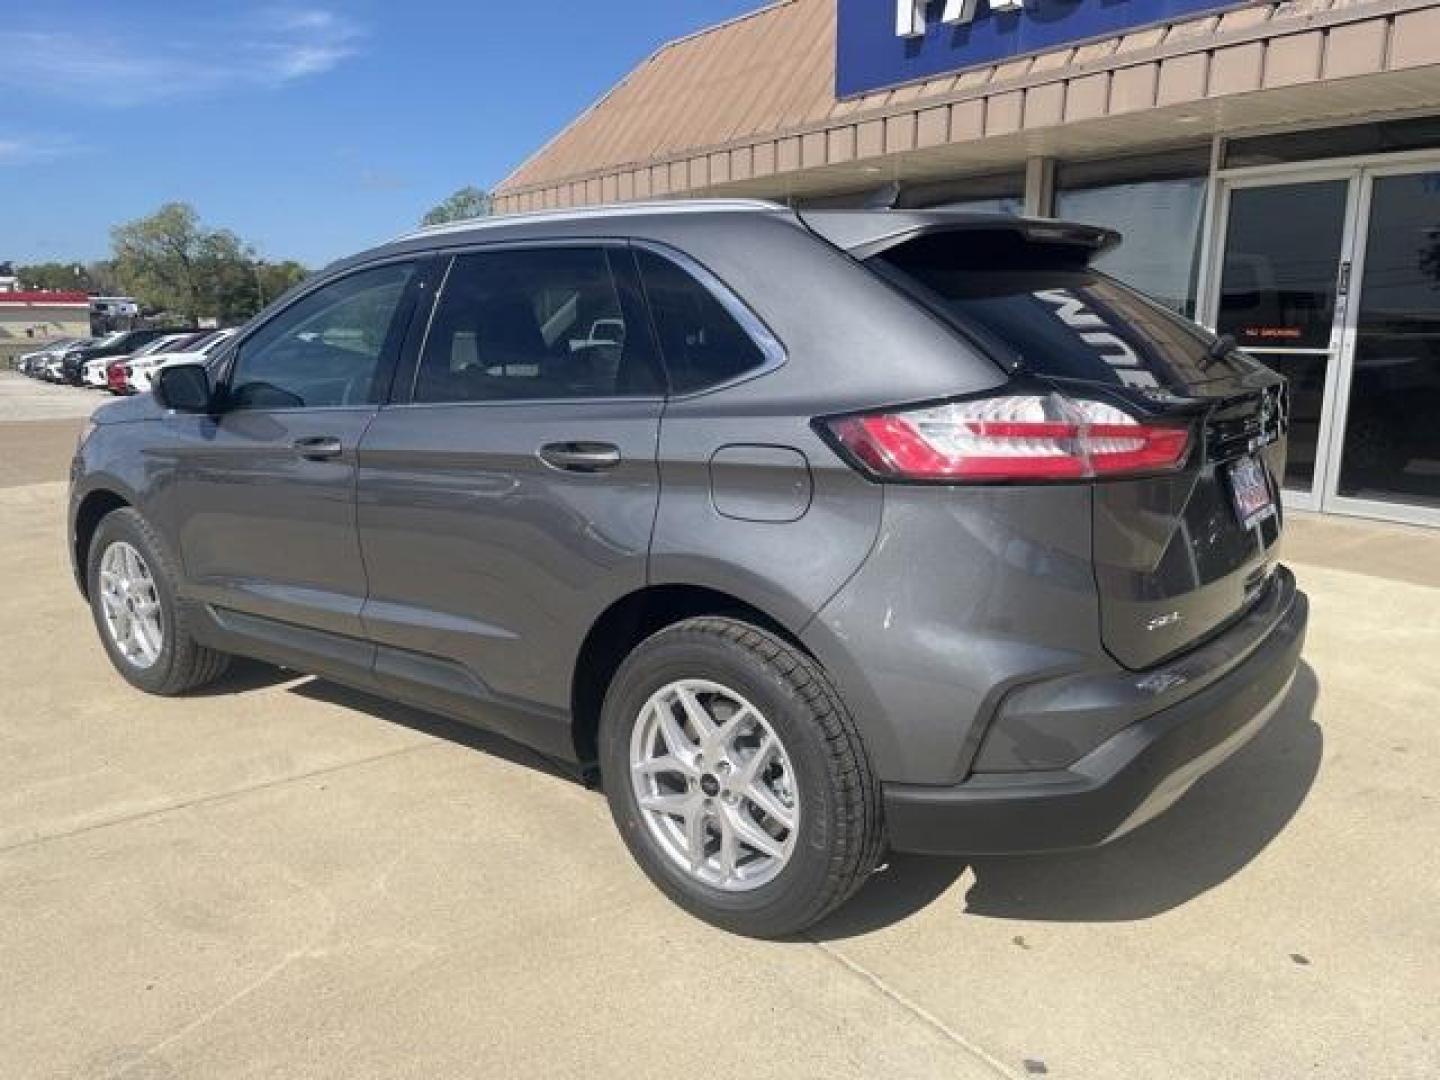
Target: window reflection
x=1282 y=254
x=1159 y=221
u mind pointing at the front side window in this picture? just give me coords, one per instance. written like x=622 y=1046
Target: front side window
x=323 y=351
x=535 y=324
x=701 y=341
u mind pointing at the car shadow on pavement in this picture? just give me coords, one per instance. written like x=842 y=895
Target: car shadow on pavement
x=1218 y=827
x=435 y=725
x=242 y=676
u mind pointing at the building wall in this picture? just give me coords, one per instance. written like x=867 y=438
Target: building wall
x=37 y=322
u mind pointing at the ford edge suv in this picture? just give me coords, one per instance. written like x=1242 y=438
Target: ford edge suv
x=805 y=534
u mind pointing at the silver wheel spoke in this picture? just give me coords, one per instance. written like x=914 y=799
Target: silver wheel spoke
x=699 y=718
x=751 y=834
x=660 y=766
x=681 y=805
x=675 y=739
x=757 y=761
x=726 y=732
x=729 y=847
x=695 y=834
x=769 y=804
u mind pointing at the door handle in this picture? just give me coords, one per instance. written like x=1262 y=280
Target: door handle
x=581 y=457
x=318 y=447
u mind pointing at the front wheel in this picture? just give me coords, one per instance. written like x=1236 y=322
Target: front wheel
x=737 y=778
x=142 y=623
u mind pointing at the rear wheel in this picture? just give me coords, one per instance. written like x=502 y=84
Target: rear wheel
x=143 y=626
x=737 y=778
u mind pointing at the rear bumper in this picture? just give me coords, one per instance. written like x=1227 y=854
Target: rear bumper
x=1125 y=781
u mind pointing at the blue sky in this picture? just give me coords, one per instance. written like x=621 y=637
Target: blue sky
x=311 y=129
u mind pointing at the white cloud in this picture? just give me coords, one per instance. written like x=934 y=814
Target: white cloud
x=128 y=66
x=33 y=149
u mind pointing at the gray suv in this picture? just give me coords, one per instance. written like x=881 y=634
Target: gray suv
x=805 y=533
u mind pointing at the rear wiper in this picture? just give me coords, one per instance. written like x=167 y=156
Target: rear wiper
x=1220 y=348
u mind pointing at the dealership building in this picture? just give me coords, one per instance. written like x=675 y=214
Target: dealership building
x=1273 y=167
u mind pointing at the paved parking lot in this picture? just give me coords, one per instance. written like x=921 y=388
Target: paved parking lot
x=42 y=422
x=282 y=878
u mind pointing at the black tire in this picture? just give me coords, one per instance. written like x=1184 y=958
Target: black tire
x=841 y=833
x=182 y=664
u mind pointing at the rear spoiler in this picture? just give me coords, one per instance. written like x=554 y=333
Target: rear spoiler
x=866 y=233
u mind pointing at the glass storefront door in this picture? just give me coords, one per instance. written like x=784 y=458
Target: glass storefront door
x=1388 y=443
x=1332 y=277
x=1279 y=291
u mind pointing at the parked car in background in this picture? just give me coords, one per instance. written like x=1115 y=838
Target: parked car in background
x=30 y=363
x=199 y=349
x=51 y=368
x=92 y=372
x=96 y=371
x=947 y=541
x=94 y=347
x=120 y=343
x=33 y=363
x=117 y=369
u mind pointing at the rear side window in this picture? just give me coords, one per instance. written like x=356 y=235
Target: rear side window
x=535 y=324
x=702 y=343
x=1041 y=306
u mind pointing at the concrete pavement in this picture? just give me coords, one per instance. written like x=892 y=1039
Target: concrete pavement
x=39 y=423
x=282 y=878
x=23 y=399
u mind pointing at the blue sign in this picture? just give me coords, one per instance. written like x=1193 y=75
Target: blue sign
x=882 y=43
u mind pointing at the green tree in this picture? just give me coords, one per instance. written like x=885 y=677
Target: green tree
x=278 y=277
x=159 y=258
x=55 y=276
x=174 y=263
x=103 y=279
x=468 y=202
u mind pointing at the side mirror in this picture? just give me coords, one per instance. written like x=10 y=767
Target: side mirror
x=184 y=387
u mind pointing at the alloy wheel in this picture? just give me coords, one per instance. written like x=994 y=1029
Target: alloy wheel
x=131 y=605
x=714 y=785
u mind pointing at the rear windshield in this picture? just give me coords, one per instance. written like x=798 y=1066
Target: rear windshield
x=1040 y=306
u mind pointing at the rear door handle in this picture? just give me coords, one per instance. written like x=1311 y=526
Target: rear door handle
x=318 y=447
x=581 y=457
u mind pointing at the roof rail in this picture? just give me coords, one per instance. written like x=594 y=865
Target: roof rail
x=585 y=213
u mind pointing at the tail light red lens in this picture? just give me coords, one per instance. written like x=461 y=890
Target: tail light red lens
x=1015 y=437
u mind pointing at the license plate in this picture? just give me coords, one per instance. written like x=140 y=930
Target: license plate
x=1250 y=492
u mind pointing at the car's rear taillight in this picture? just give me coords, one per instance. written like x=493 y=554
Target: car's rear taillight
x=1026 y=438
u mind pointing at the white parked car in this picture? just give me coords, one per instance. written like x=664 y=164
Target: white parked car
x=117 y=368
x=93 y=373
x=142 y=369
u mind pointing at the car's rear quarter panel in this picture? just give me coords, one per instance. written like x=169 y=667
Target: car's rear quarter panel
x=930 y=556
